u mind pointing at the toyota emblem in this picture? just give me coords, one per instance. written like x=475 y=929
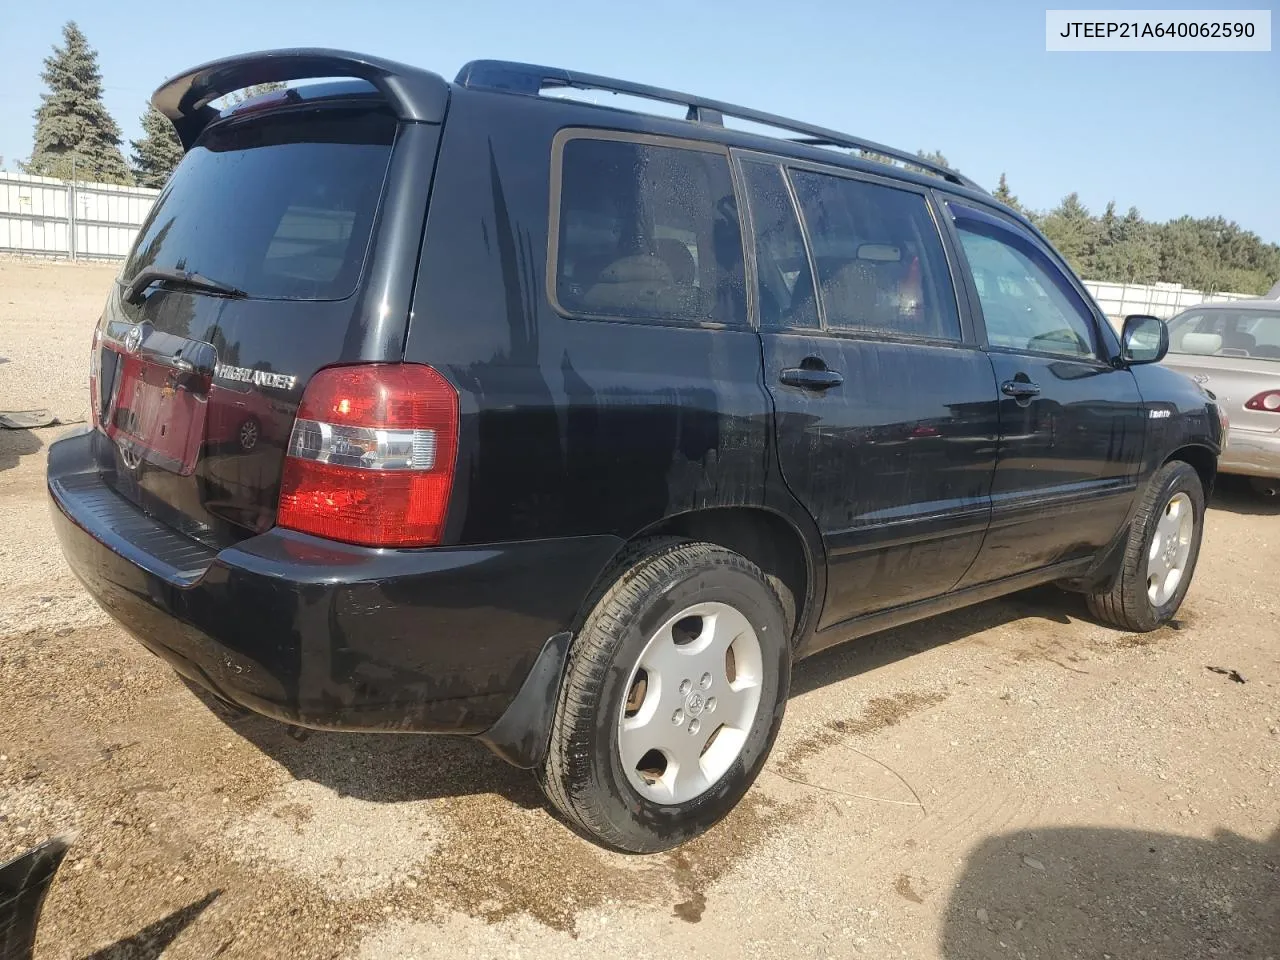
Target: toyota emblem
x=133 y=339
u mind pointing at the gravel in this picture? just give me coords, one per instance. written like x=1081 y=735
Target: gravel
x=1009 y=780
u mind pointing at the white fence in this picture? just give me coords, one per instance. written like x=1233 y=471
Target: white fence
x=1158 y=299
x=48 y=217
x=56 y=218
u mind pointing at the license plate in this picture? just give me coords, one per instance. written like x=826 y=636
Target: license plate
x=157 y=417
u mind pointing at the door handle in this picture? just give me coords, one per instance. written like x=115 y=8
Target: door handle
x=1020 y=390
x=807 y=378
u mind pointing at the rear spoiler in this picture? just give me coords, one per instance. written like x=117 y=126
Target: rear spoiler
x=414 y=94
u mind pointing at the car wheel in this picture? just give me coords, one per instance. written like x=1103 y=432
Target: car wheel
x=673 y=694
x=249 y=433
x=1160 y=555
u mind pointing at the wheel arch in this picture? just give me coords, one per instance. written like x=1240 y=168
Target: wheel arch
x=1203 y=460
x=767 y=538
x=776 y=543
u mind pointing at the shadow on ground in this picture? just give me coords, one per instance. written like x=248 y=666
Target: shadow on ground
x=16 y=444
x=880 y=649
x=383 y=768
x=1237 y=495
x=398 y=768
x=150 y=942
x=1083 y=892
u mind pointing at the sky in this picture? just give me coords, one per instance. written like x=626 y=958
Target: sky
x=1169 y=133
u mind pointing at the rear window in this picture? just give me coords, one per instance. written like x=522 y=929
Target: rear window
x=648 y=232
x=280 y=206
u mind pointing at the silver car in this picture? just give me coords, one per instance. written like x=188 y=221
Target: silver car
x=1233 y=349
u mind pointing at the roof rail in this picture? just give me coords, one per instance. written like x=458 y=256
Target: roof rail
x=413 y=93
x=528 y=78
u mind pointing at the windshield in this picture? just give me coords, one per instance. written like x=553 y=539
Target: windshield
x=280 y=206
x=1227 y=333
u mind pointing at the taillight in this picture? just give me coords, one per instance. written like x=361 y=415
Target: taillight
x=95 y=360
x=1267 y=400
x=371 y=456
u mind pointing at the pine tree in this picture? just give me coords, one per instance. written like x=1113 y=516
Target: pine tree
x=1005 y=195
x=254 y=90
x=159 y=150
x=1073 y=231
x=73 y=127
x=933 y=156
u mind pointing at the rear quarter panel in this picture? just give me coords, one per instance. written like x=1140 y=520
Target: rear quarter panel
x=569 y=427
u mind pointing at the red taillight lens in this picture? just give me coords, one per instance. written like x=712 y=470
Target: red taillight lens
x=1267 y=400
x=371 y=457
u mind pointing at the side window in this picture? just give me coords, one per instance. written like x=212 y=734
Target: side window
x=648 y=232
x=879 y=259
x=1026 y=302
x=785 y=280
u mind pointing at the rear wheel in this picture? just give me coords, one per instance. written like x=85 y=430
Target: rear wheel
x=1160 y=555
x=249 y=433
x=674 y=691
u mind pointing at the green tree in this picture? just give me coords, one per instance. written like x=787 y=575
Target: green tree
x=73 y=128
x=1005 y=195
x=1073 y=231
x=1126 y=250
x=248 y=93
x=933 y=156
x=159 y=150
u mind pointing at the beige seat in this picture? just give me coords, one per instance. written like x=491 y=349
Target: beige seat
x=642 y=285
x=852 y=297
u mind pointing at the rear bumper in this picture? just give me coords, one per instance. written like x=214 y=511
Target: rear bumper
x=1251 y=453
x=323 y=634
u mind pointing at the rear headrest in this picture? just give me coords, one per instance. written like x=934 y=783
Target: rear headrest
x=678 y=258
x=1205 y=344
x=635 y=268
x=879 y=252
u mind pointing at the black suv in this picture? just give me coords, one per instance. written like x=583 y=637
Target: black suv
x=460 y=408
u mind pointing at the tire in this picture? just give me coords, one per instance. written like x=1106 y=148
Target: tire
x=630 y=626
x=1129 y=604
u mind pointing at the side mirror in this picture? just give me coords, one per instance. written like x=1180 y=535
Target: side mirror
x=1145 y=339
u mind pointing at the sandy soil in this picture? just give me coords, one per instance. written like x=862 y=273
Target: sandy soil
x=1006 y=781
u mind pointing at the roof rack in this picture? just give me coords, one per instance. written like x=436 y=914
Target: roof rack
x=528 y=78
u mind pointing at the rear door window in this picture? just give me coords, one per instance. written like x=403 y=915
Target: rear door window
x=879 y=258
x=647 y=231
x=784 y=278
x=281 y=206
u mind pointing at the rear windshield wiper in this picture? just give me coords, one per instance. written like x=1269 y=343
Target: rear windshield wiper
x=176 y=278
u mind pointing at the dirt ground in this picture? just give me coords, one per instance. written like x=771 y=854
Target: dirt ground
x=1005 y=781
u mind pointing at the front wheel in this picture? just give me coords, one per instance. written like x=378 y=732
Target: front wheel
x=1160 y=555
x=674 y=691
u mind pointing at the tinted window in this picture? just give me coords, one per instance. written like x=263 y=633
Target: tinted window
x=281 y=207
x=648 y=232
x=880 y=263
x=1027 y=303
x=785 y=281
x=1227 y=333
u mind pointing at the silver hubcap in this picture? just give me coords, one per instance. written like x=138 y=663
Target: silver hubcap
x=1170 y=549
x=248 y=434
x=691 y=700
